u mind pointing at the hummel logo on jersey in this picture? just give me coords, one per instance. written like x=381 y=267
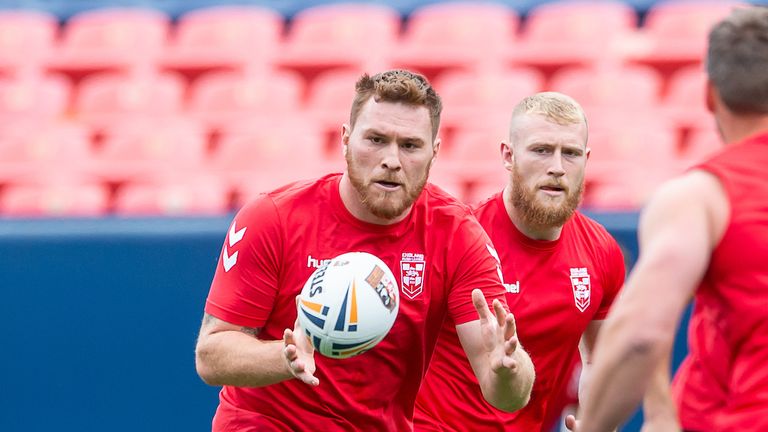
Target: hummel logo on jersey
x=513 y=288
x=233 y=238
x=316 y=262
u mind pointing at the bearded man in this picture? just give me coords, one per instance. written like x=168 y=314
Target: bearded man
x=561 y=271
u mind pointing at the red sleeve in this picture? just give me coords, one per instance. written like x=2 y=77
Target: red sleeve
x=614 y=278
x=245 y=284
x=476 y=267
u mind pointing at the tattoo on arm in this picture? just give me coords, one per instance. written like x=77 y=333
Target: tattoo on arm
x=209 y=320
x=250 y=331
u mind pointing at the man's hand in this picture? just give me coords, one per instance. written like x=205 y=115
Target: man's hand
x=299 y=354
x=499 y=334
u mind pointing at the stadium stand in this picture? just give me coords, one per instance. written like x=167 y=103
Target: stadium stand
x=210 y=65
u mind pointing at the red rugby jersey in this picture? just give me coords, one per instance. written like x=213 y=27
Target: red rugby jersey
x=439 y=253
x=722 y=384
x=554 y=288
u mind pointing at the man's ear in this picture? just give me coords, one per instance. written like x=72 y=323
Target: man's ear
x=507 y=155
x=436 y=148
x=711 y=95
x=346 y=130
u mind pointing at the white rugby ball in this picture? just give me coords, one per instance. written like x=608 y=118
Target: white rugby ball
x=349 y=304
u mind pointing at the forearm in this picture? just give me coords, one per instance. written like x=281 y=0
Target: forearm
x=238 y=359
x=658 y=406
x=506 y=389
x=619 y=376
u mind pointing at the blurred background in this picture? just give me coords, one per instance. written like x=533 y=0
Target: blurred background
x=130 y=131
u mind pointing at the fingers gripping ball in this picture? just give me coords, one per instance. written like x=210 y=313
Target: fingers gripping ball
x=349 y=304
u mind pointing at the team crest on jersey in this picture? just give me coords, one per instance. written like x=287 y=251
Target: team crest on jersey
x=581 y=288
x=412 y=267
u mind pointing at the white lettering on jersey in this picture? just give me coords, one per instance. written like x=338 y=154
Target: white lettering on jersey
x=513 y=288
x=316 y=262
x=233 y=238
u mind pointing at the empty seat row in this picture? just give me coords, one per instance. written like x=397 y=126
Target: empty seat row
x=433 y=38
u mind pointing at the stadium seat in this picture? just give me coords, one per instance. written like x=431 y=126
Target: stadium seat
x=632 y=155
x=676 y=32
x=224 y=37
x=701 y=144
x=104 y=99
x=189 y=195
x=54 y=200
x=258 y=156
x=574 y=33
x=343 y=35
x=685 y=100
x=470 y=99
x=151 y=148
x=630 y=87
x=34 y=96
x=455 y=35
x=27 y=39
x=328 y=104
x=111 y=39
x=34 y=149
x=219 y=98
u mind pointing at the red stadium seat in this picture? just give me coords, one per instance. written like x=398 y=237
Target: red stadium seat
x=151 y=148
x=329 y=103
x=624 y=88
x=54 y=200
x=700 y=145
x=575 y=33
x=26 y=39
x=685 y=101
x=470 y=98
x=258 y=156
x=352 y=35
x=198 y=195
x=223 y=97
x=224 y=37
x=34 y=149
x=32 y=95
x=629 y=153
x=111 y=40
x=105 y=99
x=455 y=35
x=676 y=32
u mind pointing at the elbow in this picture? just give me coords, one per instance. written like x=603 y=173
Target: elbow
x=511 y=404
x=204 y=367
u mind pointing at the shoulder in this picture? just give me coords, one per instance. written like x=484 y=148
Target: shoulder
x=440 y=202
x=697 y=195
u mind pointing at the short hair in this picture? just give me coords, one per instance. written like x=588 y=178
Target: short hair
x=557 y=107
x=737 y=60
x=397 y=86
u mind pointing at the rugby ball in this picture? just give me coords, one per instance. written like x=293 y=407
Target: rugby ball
x=349 y=304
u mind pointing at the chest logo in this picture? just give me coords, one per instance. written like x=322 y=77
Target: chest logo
x=581 y=288
x=412 y=266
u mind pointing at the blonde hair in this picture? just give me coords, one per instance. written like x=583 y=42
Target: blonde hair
x=560 y=108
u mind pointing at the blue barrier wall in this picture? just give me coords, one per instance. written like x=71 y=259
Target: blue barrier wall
x=103 y=318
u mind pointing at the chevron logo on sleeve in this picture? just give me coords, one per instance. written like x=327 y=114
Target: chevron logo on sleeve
x=233 y=238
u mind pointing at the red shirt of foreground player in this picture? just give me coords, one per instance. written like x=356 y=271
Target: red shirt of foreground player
x=562 y=271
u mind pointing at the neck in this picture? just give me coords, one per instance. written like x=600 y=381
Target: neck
x=737 y=127
x=351 y=200
x=533 y=232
